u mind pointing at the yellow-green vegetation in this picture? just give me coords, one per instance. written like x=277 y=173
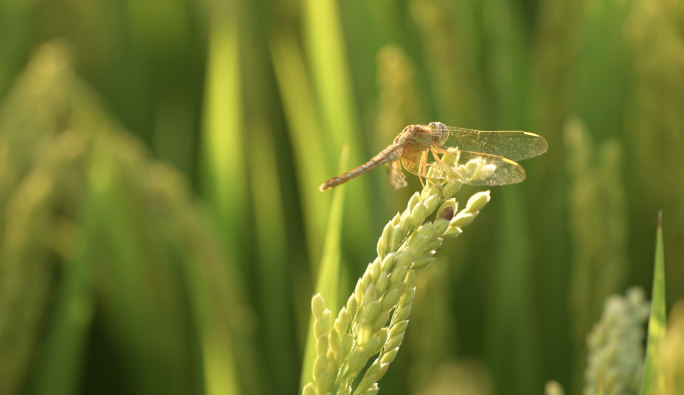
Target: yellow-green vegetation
x=99 y=238
x=375 y=317
x=161 y=228
x=598 y=225
x=616 y=360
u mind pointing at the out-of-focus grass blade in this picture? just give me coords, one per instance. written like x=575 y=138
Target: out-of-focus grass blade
x=124 y=268
x=273 y=273
x=512 y=333
x=333 y=85
x=309 y=153
x=15 y=31
x=329 y=67
x=652 y=381
x=212 y=297
x=160 y=32
x=450 y=33
x=225 y=181
x=329 y=273
x=60 y=359
x=158 y=38
x=510 y=65
x=305 y=133
x=219 y=366
x=226 y=186
x=600 y=56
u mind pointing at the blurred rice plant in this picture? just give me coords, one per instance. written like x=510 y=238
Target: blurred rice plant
x=598 y=221
x=101 y=247
x=615 y=346
x=398 y=104
x=450 y=34
x=655 y=123
x=432 y=315
x=253 y=100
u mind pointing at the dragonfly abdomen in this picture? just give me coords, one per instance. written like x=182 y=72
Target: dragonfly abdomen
x=389 y=154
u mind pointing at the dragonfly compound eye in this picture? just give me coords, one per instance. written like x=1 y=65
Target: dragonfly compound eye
x=440 y=133
x=438 y=127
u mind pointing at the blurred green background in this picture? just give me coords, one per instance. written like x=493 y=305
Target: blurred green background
x=160 y=223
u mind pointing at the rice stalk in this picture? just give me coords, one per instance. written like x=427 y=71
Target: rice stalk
x=375 y=317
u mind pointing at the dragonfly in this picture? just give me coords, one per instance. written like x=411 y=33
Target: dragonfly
x=474 y=157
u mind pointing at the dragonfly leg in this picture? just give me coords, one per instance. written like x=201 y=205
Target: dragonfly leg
x=439 y=163
x=424 y=167
x=435 y=184
x=435 y=151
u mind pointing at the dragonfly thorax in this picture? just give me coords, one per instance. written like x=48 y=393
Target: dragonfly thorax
x=415 y=138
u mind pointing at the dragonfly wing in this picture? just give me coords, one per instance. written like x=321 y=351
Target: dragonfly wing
x=396 y=177
x=411 y=161
x=474 y=168
x=512 y=145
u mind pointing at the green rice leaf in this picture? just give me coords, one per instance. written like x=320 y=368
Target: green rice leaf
x=303 y=125
x=329 y=64
x=652 y=382
x=225 y=181
x=272 y=235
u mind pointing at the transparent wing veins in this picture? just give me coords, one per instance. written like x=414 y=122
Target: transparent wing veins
x=514 y=145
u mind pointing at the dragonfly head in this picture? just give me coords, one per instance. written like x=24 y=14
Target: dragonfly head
x=440 y=133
